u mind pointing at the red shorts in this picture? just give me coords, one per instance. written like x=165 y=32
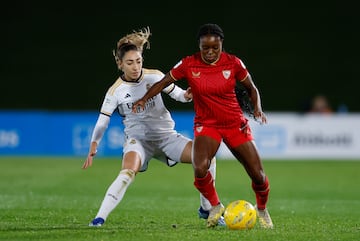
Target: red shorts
x=232 y=137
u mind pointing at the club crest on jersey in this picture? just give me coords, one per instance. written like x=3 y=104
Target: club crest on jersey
x=226 y=74
x=132 y=141
x=199 y=128
x=148 y=86
x=195 y=74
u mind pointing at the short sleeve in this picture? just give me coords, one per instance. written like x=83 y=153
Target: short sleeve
x=109 y=104
x=241 y=71
x=179 y=70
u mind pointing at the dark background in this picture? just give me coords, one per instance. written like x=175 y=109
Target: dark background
x=57 y=55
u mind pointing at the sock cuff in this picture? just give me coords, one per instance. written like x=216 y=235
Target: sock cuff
x=201 y=181
x=261 y=187
x=128 y=172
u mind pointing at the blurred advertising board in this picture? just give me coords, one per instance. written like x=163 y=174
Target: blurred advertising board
x=286 y=136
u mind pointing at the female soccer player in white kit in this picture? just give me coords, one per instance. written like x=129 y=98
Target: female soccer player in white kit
x=149 y=133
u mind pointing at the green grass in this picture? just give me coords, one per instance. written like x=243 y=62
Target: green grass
x=54 y=199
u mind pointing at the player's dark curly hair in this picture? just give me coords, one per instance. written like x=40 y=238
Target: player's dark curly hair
x=210 y=28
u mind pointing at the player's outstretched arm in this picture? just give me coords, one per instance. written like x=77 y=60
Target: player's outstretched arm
x=154 y=90
x=99 y=130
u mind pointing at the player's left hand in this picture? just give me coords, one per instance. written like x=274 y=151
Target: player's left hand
x=188 y=94
x=260 y=116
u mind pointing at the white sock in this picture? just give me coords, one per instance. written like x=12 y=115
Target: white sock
x=205 y=204
x=115 y=192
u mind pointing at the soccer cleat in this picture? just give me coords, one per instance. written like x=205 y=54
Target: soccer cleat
x=215 y=214
x=221 y=222
x=204 y=214
x=97 y=222
x=264 y=218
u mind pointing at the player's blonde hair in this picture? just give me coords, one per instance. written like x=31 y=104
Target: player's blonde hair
x=135 y=40
x=139 y=38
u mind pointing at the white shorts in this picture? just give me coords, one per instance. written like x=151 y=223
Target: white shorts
x=167 y=150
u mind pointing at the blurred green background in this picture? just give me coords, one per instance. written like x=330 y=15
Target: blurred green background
x=57 y=55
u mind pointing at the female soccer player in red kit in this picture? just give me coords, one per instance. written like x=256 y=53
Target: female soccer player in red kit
x=212 y=74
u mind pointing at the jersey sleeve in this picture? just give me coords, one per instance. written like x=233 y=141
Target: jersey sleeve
x=176 y=93
x=179 y=70
x=100 y=128
x=241 y=71
x=110 y=103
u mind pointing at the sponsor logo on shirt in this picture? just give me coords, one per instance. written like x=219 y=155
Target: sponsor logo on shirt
x=150 y=103
x=107 y=101
x=195 y=74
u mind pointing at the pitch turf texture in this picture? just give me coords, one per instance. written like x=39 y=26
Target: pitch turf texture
x=54 y=199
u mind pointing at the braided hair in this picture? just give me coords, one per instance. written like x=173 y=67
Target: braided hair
x=243 y=98
x=210 y=28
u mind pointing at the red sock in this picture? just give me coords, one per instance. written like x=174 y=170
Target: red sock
x=261 y=193
x=205 y=185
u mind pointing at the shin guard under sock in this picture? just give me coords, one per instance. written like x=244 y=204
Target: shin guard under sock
x=261 y=193
x=206 y=187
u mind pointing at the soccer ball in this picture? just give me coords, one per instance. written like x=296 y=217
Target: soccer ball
x=240 y=214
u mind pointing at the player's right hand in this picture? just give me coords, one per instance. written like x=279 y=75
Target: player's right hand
x=138 y=106
x=92 y=153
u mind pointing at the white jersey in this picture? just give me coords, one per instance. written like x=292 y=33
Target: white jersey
x=152 y=123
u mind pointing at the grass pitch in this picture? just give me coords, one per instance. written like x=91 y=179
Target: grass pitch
x=48 y=198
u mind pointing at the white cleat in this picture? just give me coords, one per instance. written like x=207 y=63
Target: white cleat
x=264 y=218
x=215 y=214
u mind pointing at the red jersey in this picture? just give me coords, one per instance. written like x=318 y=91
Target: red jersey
x=213 y=88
